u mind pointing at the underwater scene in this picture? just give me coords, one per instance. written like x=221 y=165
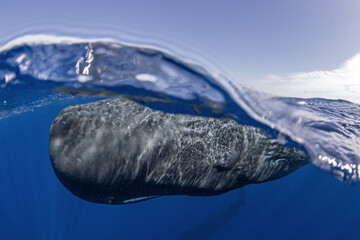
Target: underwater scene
x=110 y=134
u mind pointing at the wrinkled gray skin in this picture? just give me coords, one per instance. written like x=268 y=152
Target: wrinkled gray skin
x=116 y=150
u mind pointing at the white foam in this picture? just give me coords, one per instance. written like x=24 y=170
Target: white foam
x=36 y=39
x=146 y=77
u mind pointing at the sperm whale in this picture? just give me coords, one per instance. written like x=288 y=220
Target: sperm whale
x=117 y=151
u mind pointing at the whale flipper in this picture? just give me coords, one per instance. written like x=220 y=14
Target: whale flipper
x=139 y=199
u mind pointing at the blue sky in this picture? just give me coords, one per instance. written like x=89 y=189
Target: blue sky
x=251 y=40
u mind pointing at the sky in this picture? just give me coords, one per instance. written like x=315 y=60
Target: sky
x=260 y=43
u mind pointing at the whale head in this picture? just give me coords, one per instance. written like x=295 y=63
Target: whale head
x=273 y=160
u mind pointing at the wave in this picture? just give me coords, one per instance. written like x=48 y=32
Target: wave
x=39 y=70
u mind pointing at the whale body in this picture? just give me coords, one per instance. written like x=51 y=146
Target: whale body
x=117 y=151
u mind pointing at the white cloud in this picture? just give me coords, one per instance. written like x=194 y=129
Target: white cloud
x=339 y=83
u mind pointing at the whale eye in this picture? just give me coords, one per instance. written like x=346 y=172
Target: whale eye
x=63 y=123
x=282 y=163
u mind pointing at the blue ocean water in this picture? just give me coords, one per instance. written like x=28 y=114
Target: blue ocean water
x=38 y=79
